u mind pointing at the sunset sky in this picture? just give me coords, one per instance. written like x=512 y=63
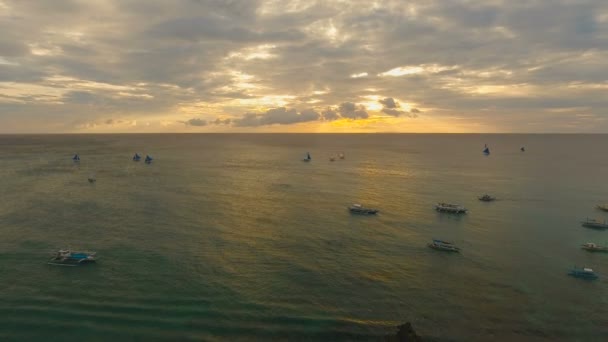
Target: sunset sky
x=303 y=66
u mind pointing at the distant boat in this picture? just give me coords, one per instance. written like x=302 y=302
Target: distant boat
x=595 y=224
x=148 y=159
x=332 y=158
x=450 y=208
x=66 y=257
x=136 y=157
x=76 y=158
x=487 y=198
x=591 y=247
x=359 y=209
x=486 y=150
x=341 y=155
x=603 y=207
x=92 y=178
x=585 y=273
x=307 y=158
x=523 y=149
x=443 y=246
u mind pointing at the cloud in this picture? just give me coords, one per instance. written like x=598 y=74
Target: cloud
x=219 y=121
x=351 y=110
x=389 y=102
x=330 y=114
x=493 y=59
x=277 y=116
x=195 y=122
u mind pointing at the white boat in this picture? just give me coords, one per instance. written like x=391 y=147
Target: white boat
x=450 y=208
x=591 y=247
x=359 y=209
x=92 y=178
x=307 y=158
x=603 y=207
x=341 y=155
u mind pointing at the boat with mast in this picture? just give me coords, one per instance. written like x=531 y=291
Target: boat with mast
x=76 y=158
x=307 y=158
x=595 y=224
x=148 y=159
x=136 y=157
x=486 y=150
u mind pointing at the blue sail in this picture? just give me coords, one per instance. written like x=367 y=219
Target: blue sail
x=136 y=157
x=76 y=157
x=148 y=159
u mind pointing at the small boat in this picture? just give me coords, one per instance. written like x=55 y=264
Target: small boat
x=486 y=150
x=341 y=155
x=359 y=209
x=591 y=247
x=332 y=158
x=523 y=149
x=76 y=158
x=148 y=159
x=595 y=224
x=443 y=246
x=307 y=158
x=92 y=178
x=487 y=198
x=450 y=208
x=603 y=207
x=584 y=273
x=136 y=157
x=65 y=257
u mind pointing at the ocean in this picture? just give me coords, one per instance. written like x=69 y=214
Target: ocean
x=233 y=237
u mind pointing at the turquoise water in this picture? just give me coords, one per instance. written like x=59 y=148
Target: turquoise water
x=232 y=237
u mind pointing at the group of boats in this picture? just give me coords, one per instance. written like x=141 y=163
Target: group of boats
x=136 y=157
x=337 y=156
x=585 y=272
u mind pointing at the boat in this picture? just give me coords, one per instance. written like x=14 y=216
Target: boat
x=341 y=155
x=359 y=209
x=65 y=257
x=92 y=178
x=148 y=159
x=332 y=158
x=443 y=246
x=584 y=273
x=591 y=247
x=136 y=157
x=523 y=149
x=450 y=208
x=487 y=198
x=593 y=223
x=603 y=207
x=486 y=150
x=76 y=158
x=307 y=158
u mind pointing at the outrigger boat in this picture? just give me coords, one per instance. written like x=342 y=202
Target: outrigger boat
x=65 y=257
x=443 y=246
x=595 y=224
x=450 y=208
x=359 y=209
x=603 y=207
x=591 y=247
x=584 y=273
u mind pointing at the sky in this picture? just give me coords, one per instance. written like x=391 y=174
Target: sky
x=449 y=66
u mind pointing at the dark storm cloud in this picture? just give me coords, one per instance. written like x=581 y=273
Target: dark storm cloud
x=483 y=59
x=196 y=122
x=277 y=116
x=350 y=110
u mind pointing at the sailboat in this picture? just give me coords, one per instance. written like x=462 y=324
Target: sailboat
x=148 y=159
x=308 y=158
x=486 y=150
x=76 y=158
x=523 y=149
x=136 y=157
